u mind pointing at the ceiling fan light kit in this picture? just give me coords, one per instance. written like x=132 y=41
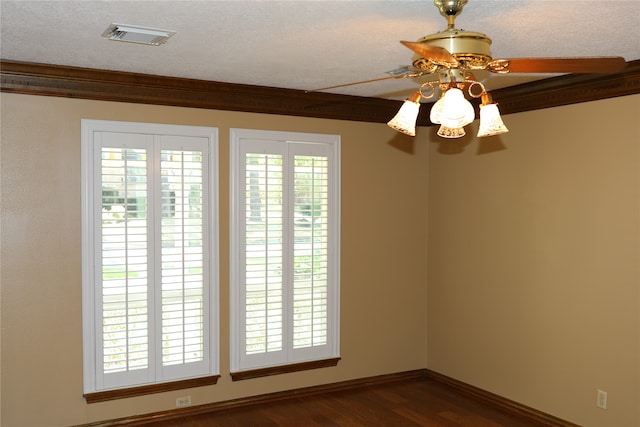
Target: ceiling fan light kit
x=452 y=110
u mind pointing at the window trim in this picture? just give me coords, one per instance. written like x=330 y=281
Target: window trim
x=237 y=370
x=122 y=393
x=88 y=129
x=284 y=369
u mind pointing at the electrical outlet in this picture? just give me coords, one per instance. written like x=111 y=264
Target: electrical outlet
x=602 y=399
x=183 y=401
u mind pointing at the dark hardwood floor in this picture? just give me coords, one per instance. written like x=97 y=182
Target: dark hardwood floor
x=417 y=402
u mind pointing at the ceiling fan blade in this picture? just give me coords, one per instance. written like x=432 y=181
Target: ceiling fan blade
x=599 y=65
x=438 y=55
x=398 y=76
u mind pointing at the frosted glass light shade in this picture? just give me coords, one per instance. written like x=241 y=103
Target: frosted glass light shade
x=490 y=121
x=436 y=111
x=405 y=120
x=457 y=111
x=447 y=132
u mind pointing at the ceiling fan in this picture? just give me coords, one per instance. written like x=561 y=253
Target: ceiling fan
x=453 y=54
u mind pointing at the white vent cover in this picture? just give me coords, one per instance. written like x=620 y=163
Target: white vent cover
x=137 y=34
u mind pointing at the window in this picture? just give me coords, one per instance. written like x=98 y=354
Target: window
x=284 y=250
x=149 y=277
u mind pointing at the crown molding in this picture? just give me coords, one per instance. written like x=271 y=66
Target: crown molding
x=568 y=89
x=103 y=85
x=86 y=83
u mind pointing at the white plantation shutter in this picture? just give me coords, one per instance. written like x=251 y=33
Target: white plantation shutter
x=284 y=274
x=149 y=254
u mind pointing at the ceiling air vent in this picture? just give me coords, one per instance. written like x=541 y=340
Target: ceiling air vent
x=137 y=34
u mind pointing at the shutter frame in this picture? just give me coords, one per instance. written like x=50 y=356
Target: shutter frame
x=203 y=139
x=244 y=141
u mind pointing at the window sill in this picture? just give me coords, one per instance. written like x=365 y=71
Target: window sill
x=284 y=369
x=123 y=393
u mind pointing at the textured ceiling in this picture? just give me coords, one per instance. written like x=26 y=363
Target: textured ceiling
x=307 y=44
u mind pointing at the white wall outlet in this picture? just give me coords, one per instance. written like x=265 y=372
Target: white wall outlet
x=602 y=399
x=183 y=401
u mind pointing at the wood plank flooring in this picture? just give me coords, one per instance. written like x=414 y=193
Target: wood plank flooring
x=417 y=402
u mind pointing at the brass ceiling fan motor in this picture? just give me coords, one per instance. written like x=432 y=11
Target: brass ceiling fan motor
x=454 y=48
x=469 y=48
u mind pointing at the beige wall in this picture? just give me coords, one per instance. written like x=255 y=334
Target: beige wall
x=534 y=261
x=383 y=257
x=534 y=258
